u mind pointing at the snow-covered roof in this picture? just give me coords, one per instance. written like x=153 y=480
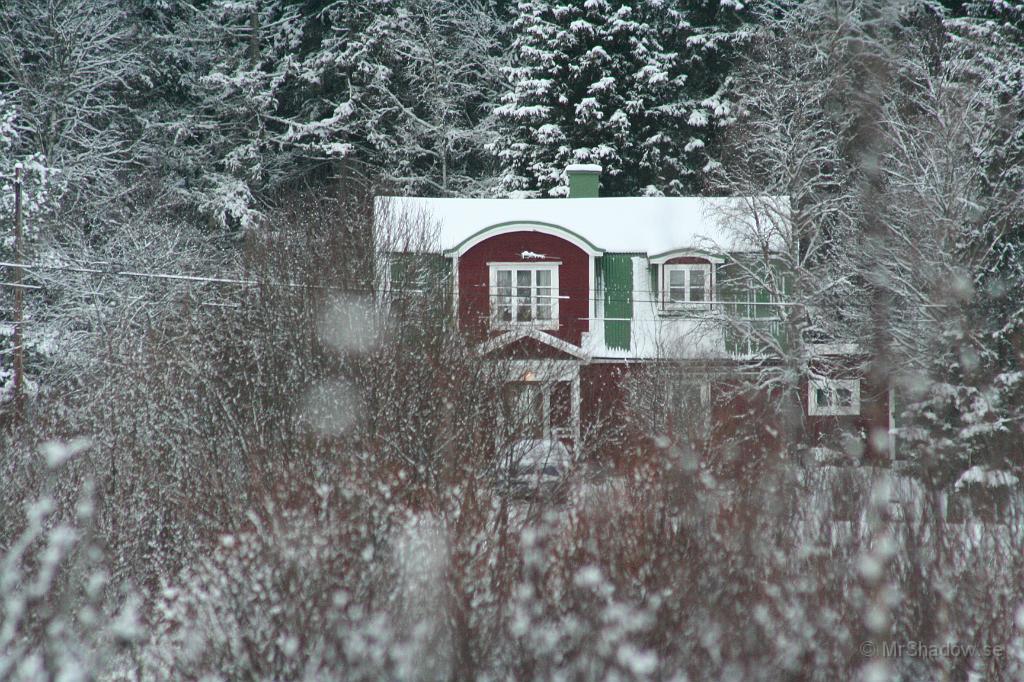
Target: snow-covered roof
x=651 y=225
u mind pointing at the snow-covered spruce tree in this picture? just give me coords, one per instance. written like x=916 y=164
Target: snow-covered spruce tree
x=404 y=92
x=222 y=69
x=258 y=97
x=710 y=38
x=963 y=405
x=446 y=77
x=593 y=82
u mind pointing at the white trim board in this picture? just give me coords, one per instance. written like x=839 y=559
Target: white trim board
x=514 y=335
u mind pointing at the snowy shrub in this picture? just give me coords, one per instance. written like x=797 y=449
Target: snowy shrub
x=61 y=616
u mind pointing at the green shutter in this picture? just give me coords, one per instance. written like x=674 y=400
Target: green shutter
x=617 y=276
x=425 y=278
x=418 y=271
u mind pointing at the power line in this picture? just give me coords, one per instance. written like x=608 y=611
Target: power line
x=154 y=275
x=177 y=277
x=230 y=281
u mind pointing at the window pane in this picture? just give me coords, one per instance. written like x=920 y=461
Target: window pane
x=523 y=278
x=677 y=278
x=543 y=312
x=844 y=397
x=823 y=396
x=524 y=299
x=677 y=294
x=697 y=285
x=502 y=298
x=543 y=278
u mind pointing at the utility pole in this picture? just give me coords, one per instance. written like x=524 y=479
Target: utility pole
x=19 y=303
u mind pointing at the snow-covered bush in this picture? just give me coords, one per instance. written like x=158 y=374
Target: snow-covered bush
x=61 y=615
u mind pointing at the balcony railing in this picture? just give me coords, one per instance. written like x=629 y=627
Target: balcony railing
x=752 y=328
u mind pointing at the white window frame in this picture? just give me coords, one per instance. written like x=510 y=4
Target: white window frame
x=833 y=408
x=709 y=290
x=515 y=268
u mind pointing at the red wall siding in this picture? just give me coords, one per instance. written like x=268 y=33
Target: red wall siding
x=602 y=397
x=748 y=424
x=573 y=280
x=603 y=416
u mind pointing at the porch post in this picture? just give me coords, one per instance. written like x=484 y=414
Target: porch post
x=576 y=404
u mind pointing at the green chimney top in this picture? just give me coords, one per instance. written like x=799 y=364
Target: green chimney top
x=584 y=180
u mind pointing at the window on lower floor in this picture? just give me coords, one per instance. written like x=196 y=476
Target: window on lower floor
x=524 y=295
x=833 y=397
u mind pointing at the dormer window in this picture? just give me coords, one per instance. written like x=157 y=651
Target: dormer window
x=524 y=294
x=686 y=286
x=685 y=280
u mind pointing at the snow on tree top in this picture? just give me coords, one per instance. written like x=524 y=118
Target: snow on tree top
x=651 y=225
x=991 y=478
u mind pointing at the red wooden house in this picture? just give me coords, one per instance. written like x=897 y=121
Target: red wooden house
x=581 y=295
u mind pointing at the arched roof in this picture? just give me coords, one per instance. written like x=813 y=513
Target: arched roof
x=523 y=226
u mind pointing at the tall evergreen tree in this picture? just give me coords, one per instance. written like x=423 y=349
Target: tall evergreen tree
x=710 y=36
x=977 y=400
x=222 y=69
x=623 y=84
x=420 y=80
x=259 y=96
